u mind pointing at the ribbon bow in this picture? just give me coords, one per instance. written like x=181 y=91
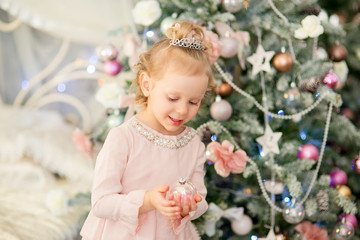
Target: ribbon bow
x=242 y=37
x=215 y=213
x=132 y=49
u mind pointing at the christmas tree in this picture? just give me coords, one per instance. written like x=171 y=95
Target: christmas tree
x=281 y=71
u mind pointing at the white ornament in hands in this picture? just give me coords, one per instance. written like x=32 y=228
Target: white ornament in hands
x=183 y=189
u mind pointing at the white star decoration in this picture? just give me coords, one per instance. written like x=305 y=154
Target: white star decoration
x=270 y=236
x=261 y=60
x=269 y=141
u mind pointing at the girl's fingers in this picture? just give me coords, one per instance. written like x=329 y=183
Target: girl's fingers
x=171 y=213
x=193 y=205
x=162 y=188
x=167 y=203
x=170 y=210
x=186 y=205
x=198 y=198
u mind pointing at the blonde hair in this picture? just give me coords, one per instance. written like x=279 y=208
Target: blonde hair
x=154 y=61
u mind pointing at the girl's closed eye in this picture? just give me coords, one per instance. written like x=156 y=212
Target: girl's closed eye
x=194 y=103
x=172 y=99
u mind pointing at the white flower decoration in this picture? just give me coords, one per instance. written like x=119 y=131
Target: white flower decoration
x=323 y=16
x=311 y=27
x=333 y=19
x=341 y=70
x=108 y=95
x=57 y=202
x=357 y=53
x=320 y=53
x=146 y=12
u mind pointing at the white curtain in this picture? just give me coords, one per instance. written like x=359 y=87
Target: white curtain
x=84 y=21
x=31 y=47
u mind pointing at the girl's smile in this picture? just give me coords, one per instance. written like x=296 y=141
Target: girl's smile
x=175 y=122
x=173 y=99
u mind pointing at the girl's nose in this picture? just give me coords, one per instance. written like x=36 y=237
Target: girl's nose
x=182 y=109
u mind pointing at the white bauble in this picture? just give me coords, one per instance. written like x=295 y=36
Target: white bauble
x=107 y=52
x=229 y=47
x=232 y=6
x=243 y=226
x=221 y=110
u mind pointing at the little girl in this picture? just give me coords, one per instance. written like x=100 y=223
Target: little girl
x=147 y=154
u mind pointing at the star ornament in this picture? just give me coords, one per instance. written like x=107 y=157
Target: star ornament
x=269 y=141
x=261 y=60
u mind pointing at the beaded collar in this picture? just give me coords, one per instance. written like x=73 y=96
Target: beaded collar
x=162 y=141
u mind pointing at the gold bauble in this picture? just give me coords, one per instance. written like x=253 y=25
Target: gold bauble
x=344 y=191
x=283 y=62
x=224 y=90
x=337 y=53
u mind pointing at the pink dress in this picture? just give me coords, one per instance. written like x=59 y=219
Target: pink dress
x=134 y=159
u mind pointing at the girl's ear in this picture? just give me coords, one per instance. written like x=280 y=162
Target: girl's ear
x=145 y=84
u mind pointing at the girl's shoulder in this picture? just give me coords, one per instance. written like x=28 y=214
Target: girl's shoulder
x=121 y=131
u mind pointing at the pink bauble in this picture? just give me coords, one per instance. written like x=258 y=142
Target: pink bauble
x=107 y=52
x=112 y=68
x=331 y=80
x=349 y=219
x=346 y=112
x=221 y=110
x=338 y=177
x=308 y=151
x=356 y=164
x=229 y=47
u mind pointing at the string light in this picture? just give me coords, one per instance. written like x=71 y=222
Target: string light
x=91 y=69
x=101 y=81
x=25 y=84
x=93 y=59
x=61 y=87
x=286 y=199
x=303 y=135
x=213 y=138
x=149 y=34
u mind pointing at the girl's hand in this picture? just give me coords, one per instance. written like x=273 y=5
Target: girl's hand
x=188 y=204
x=168 y=208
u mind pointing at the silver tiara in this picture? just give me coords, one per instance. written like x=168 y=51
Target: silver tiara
x=188 y=43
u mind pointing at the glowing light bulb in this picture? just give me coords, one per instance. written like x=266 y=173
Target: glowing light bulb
x=91 y=69
x=25 y=84
x=61 y=87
